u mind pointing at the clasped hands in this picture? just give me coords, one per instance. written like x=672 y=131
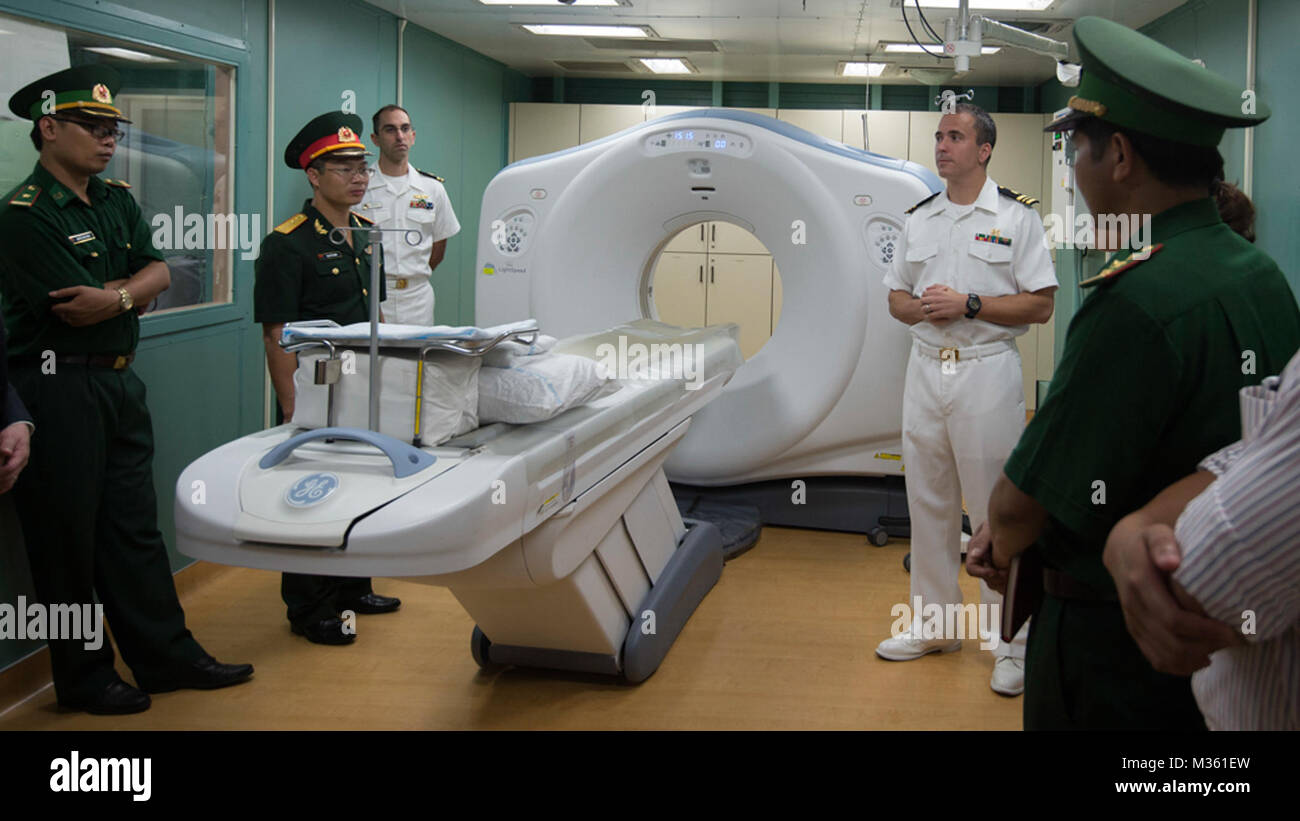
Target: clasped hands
x=88 y=305
x=1169 y=626
x=941 y=304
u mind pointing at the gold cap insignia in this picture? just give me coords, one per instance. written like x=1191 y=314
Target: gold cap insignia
x=101 y=94
x=346 y=135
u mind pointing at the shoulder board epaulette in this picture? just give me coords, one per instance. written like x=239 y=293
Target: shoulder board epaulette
x=291 y=223
x=1119 y=265
x=922 y=202
x=118 y=183
x=1023 y=199
x=366 y=220
x=25 y=195
x=427 y=174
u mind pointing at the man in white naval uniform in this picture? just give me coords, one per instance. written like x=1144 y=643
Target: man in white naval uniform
x=404 y=197
x=972 y=273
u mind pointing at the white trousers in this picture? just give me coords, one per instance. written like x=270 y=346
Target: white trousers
x=412 y=305
x=961 y=419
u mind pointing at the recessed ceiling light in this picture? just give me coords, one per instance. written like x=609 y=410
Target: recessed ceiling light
x=552 y=3
x=667 y=65
x=129 y=54
x=995 y=5
x=851 y=69
x=934 y=48
x=594 y=30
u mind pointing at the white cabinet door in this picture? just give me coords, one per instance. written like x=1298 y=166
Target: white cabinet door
x=1017 y=159
x=740 y=291
x=596 y=121
x=541 y=128
x=691 y=239
x=887 y=130
x=679 y=285
x=829 y=124
x=727 y=238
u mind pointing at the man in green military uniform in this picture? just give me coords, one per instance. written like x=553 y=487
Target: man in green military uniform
x=1148 y=379
x=305 y=273
x=75 y=259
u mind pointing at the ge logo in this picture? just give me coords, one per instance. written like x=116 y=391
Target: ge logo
x=312 y=490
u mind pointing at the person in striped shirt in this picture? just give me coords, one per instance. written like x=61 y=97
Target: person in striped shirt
x=1208 y=572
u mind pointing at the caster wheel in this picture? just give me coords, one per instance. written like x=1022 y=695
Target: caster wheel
x=479 y=644
x=907 y=562
x=878 y=537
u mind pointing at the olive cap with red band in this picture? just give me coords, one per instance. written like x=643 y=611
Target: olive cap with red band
x=85 y=90
x=1135 y=83
x=335 y=135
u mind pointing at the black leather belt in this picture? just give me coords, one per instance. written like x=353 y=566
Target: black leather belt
x=117 y=362
x=1064 y=586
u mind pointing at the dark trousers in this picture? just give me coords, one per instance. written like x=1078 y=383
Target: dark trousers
x=89 y=516
x=1083 y=671
x=310 y=599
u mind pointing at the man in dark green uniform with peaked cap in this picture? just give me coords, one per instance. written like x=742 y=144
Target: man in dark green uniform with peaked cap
x=75 y=259
x=1148 y=379
x=304 y=273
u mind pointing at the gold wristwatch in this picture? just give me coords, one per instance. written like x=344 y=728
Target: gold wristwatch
x=125 y=300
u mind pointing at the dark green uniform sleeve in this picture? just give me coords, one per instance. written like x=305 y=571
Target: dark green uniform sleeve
x=36 y=259
x=1102 y=419
x=278 y=284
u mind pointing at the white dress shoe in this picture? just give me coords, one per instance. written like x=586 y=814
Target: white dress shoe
x=907 y=647
x=1008 y=676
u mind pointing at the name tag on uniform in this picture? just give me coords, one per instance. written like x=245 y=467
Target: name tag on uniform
x=79 y=239
x=329 y=255
x=994 y=237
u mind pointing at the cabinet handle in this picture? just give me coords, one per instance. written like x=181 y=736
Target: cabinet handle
x=701 y=273
x=710 y=273
x=701 y=233
x=713 y=232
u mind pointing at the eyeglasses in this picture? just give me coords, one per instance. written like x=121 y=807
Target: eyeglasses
x=349 y=173
x=96 y=130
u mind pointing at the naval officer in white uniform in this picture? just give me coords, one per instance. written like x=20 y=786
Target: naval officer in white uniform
x=404 y=197
x=972 y=273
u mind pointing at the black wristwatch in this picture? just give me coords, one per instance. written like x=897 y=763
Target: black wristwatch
x=973 y=306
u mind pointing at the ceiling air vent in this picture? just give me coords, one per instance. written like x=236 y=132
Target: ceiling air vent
x=630 y=45
x=594 y=66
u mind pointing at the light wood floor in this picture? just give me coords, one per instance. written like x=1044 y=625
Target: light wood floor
x=783 y=642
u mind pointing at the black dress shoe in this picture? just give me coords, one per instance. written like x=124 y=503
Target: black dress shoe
x=205 y=674
x=325 y=631
x=370 y=604
x=119 y=698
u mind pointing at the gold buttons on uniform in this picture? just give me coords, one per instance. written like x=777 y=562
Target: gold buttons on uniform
x=128 y=246
x=364 y=292
x=334 y=271
x=94 y=253
x=357 y=260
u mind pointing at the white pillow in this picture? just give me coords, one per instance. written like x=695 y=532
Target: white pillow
x=537 y=388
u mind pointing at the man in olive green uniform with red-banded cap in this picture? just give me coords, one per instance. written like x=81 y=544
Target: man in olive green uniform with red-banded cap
x=75 y=259
x=1148 y=379
x=303 y=273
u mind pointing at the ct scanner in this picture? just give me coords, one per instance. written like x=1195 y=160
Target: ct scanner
x=576 y=238
x=562 y=538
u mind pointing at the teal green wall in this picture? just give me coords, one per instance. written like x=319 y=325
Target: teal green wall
x=204 y=367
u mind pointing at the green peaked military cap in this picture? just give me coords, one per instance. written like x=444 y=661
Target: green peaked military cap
x=333 y=134
x=1134 y=82
x=84 y=89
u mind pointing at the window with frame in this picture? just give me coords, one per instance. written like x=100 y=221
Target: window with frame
x=177 y=153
